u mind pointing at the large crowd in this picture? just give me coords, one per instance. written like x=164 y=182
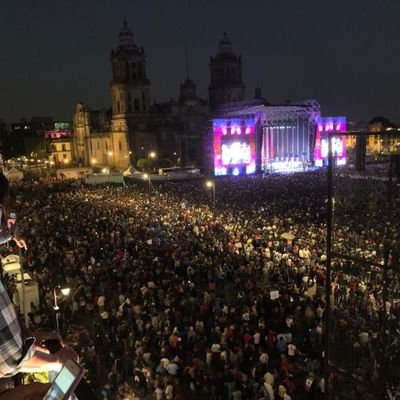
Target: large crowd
x=175 y=298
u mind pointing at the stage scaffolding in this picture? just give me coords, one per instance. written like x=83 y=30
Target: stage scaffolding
x=295 y=121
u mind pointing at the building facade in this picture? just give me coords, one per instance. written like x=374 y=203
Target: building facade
x=134 y=127
x=226 y=84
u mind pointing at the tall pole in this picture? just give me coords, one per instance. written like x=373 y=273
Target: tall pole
x=213 y=191
x=187 y=61
x=328 y=267
x=24 y=308
x=385 y=283
x=56 y=310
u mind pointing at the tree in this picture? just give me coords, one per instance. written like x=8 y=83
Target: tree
x=386 y=123
x=143 y=164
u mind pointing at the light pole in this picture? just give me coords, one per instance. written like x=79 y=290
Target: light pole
x=146 y=177
x=211 y=185
x=110 y=162
x=152 y=156
x=65 y=292
x=130 y=157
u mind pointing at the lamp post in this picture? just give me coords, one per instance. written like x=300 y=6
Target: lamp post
x=211 y=185
x=146 y=177
x=65 y=292
x=152 y=156
x=111 y=162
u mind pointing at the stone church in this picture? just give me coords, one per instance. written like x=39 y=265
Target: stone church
x=134 y=127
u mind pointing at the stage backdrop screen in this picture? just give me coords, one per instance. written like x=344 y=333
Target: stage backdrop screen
x=329 y=127
x=234 y=146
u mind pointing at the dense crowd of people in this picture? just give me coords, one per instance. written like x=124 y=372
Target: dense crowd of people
x=173 y=298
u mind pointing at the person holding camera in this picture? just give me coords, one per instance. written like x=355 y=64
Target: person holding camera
x=19 y=353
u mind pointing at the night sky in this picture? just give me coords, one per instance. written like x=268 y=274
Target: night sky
x=344 y=53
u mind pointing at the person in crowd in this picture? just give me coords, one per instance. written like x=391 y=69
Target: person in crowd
x=209 y=302
x=19 y=353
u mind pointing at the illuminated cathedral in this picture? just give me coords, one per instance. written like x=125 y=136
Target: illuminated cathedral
x=134 y=127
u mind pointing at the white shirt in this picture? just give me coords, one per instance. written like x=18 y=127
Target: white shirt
x=169 y=392
x=291 y=350
x=159 y=394
x=237 y=395
x=364 y=338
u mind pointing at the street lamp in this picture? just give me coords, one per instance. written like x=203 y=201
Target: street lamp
x=111 y=162
x=146 y=177
x=211 y=185
x=64 y=292
x=153 y=155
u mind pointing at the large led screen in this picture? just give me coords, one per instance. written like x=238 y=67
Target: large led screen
x=234 y=146
x=327 y=127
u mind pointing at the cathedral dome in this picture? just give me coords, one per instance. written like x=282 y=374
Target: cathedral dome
x=189 y=84
x=126 y=39
x=225 y=45
x=188 y=90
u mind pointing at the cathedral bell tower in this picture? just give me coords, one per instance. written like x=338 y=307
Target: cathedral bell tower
x=226 y=83
x=130 y=90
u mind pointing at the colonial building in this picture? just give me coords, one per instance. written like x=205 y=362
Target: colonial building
x=226 y=83
x=134 y=127
x=386 y=138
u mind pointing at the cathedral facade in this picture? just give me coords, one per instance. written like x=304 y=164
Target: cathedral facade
x=133 y=127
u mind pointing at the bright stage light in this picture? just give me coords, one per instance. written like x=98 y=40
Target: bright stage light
x=250 y=169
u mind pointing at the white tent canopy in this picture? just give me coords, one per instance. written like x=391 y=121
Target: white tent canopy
x=14 y=175
x=131 y=171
